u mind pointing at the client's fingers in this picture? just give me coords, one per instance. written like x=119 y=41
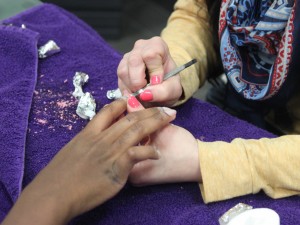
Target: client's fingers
x=134 y=155
x=107 y=115
x=130 y=130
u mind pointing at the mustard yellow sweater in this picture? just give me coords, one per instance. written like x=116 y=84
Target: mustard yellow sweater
x=242 y=166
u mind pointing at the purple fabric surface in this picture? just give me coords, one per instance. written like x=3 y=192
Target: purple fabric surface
x=17 y=81
x=52 y=123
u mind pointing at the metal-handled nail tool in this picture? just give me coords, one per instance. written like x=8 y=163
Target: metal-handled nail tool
x=114 y=94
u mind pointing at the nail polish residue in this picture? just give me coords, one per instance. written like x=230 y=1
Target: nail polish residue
x=53 y=107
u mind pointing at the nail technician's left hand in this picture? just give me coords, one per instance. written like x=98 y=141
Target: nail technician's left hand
x=153 y=56
x=91 y=168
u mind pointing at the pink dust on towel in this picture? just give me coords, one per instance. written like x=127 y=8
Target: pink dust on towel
x=53 y=108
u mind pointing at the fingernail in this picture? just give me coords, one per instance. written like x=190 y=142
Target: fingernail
x=155 y=80
x=133 y=102
x=168 y=111
x=146 y=96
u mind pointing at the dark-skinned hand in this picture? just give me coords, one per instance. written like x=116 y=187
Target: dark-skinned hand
x=92 y=168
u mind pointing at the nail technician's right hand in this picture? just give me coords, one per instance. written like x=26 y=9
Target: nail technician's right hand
x=153 y=56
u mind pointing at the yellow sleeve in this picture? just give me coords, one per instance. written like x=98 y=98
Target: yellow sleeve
x=248 y=166
x=188 y=35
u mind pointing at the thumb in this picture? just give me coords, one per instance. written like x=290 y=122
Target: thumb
x=167 y=92
x=155 y=69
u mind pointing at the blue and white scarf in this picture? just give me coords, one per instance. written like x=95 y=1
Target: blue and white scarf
x=256 y=38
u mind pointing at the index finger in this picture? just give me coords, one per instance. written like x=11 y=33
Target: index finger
x=134 y=127
x=107 y=115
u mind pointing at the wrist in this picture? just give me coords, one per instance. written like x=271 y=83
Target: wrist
x=198 y=176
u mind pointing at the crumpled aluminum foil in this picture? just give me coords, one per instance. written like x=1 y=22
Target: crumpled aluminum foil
x=79 y=80
x=114 y=94
x=49 y=49
x=86 y=107
x=233 y=212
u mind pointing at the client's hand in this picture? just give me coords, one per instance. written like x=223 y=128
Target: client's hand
x=178 y=162
x=91 y=168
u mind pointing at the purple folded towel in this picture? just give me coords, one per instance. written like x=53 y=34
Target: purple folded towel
x=17 y=81
x=52 y=123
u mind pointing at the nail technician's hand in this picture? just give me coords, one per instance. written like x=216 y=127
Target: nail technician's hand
x=91 y=168
x=178 y=161
x=152 y=56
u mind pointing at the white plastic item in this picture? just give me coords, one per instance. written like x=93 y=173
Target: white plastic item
x=259 y=216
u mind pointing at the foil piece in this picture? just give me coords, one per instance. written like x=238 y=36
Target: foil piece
x=234 y=211
x=86 y=108
x=79 y=80
x=49 y=49
x=114 y=94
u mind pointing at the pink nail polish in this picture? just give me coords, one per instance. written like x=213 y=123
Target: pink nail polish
x=155 y=80
x=133 y=102
x=146 y=96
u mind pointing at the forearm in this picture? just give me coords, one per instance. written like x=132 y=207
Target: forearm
x=248 y=166
x=188 y=35
x=34 y=208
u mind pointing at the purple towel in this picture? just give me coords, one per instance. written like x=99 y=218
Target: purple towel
x=18 y=79
x=52 y=122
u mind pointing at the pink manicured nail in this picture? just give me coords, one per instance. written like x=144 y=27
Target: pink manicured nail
x=146 y=96
x=133 y=102
x=155 y=80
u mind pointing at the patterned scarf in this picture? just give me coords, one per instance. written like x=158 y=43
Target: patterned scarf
x=256 y=38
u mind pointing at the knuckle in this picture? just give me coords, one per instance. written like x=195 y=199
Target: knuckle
x=122 y=71
x=139 y=43
x=159 y=116
x=134 y=60
x=154 y=110
x=125 y=56
x=150 y=54
x=157 y=113
x=137 y=84
x=160 y=42
x=157 y=39
x=137 y=128
x=131 y=154
x=132 y=117
x=122 y=140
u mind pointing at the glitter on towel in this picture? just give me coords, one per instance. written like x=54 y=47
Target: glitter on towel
x=49 y=49
x=51 y=109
